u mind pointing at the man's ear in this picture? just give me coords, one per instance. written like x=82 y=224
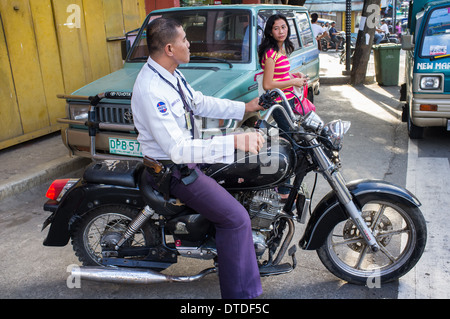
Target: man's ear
x=168 y=49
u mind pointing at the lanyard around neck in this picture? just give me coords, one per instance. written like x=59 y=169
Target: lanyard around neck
x=170 y=83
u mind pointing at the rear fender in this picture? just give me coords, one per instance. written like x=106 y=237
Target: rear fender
x=329 y=212
x=83 y=198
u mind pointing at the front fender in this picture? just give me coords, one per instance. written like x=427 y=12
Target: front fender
x=330 y=211
x=83 y=198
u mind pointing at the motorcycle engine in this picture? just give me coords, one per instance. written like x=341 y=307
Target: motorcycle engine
x=263 y=207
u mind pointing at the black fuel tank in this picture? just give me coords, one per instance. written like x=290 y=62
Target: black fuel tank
x=271 y=167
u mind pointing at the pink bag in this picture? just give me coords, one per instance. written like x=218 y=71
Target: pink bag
x=307 y=104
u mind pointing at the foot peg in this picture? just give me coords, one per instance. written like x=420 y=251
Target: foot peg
x=275 y=270
x=272 y=270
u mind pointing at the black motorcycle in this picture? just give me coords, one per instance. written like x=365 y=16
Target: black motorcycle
x=326 y=45
x=343 y=54
x=389 y=38
x=119 y=225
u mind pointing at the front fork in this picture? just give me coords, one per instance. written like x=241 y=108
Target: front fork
x=337 y=182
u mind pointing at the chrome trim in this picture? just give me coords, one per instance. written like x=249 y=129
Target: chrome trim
x=132 y=276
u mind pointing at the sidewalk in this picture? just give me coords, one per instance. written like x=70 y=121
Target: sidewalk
x=35 y=162
x=38 y=161
x=331 y=71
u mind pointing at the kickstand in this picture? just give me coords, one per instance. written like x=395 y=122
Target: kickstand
x=291 y=252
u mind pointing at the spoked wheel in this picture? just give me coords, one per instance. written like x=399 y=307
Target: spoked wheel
x=103 y=227
x=400 y=231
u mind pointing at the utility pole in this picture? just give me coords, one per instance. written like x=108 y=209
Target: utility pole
x=348 y=35
x=369 y=20
x=394 y=16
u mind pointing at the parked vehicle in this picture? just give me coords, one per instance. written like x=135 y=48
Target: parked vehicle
x=119 y=225
x=389 y=38
x=343 y=54
x=224 y=62
x=426 y=91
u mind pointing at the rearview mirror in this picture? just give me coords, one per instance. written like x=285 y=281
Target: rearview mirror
x=125 y=47
x=407 y=42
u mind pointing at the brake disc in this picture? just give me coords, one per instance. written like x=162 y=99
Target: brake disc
x=350 y=231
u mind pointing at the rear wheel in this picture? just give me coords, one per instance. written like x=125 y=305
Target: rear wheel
x=400 y=231
x=103 y=227
x=324 y=45
x=414 y=131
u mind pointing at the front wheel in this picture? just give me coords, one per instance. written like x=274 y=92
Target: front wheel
x=400 y=231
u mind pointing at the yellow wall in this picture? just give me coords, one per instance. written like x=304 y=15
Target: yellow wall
x=50 y=47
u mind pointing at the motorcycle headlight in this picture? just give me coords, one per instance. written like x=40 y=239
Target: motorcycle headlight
x=312 y=122
x=334 y=132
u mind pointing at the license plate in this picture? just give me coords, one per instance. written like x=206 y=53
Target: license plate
x=124 y=146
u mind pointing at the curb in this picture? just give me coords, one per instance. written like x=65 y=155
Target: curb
x=344 y=79
x=41 y=173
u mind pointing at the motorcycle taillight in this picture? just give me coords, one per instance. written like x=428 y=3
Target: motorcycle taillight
x=58 y=188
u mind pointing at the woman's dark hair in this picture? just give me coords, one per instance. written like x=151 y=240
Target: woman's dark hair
x=268 y=42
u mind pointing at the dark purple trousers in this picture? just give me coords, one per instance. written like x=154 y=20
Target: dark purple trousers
x=238 y=268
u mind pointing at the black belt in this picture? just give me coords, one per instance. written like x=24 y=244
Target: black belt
x=188 y=175
x=166 y=162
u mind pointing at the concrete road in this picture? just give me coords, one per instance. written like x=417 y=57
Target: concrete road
x=376 y=146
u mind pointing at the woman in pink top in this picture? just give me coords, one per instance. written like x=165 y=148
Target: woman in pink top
x=273 y=57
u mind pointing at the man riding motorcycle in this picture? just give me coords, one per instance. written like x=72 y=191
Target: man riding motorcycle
x=164 y=106
x=336 y=37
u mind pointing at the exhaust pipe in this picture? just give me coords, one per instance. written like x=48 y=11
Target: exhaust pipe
x=132 y=276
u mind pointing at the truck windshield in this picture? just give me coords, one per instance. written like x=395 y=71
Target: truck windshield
x=215 y=36
x=436 y=39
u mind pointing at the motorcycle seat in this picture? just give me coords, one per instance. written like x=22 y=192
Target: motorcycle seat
x=113 y=172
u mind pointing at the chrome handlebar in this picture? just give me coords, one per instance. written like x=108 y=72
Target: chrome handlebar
x=284 y=108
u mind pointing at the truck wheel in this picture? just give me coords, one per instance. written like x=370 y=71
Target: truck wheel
x=310 y=95
x=405 y=111
x=414 y=132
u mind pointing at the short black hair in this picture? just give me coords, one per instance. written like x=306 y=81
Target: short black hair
x=160 y=32
x=314 y=17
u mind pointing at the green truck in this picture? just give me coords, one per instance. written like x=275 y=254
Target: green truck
x=426 y=91
x=224 y=62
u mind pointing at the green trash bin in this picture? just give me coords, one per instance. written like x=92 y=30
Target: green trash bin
x=387 y=63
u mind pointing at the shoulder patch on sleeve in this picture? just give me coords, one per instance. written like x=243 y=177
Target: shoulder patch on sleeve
x=162 y=108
